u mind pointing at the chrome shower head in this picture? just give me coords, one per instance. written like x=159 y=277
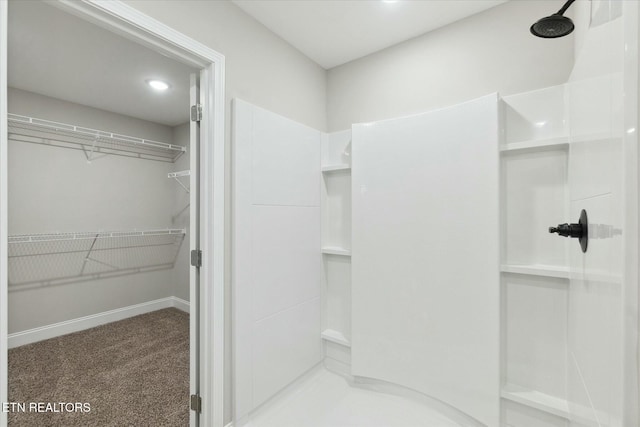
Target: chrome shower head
x=554 y=26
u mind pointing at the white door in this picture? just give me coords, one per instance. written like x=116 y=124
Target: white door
x=194 y=242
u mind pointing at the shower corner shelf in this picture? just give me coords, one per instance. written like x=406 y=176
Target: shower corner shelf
x=91 y=141
x=335 y=250
x=176 y=175
x=336 y=168
x=335 y=337
x=549 y=144
x=558 y=272
x=535 y=399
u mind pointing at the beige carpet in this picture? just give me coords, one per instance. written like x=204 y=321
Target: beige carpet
x=134 y=372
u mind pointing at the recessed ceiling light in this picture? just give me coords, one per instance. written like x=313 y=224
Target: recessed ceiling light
x=158 y=85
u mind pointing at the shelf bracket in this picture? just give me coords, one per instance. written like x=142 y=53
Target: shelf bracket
x=176 y=175
x=86 y=258
x=90 y=155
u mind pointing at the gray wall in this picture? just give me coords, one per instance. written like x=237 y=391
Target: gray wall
x=54 y=189
x=492 y=51
x=488 y=52
x=261 y=68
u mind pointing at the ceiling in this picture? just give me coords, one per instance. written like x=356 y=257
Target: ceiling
x=59 y=55
x=333 y=32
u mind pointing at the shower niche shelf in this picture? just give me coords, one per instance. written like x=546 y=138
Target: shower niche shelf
x=335 y=337
x=334 y=250
x=544 y=144
x=336 y=168
x=559 y=272
x=336 y=247
x=534 y=269
x=535 y=399
x=91 y=141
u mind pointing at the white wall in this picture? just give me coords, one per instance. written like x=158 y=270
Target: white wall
x=489 y=52
x=53 y=189
x=276 y=254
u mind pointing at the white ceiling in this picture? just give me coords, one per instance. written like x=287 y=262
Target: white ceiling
x=62 y=56
x=333 y=32
x=59 y=55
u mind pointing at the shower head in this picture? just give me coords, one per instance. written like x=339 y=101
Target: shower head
x=554 y=26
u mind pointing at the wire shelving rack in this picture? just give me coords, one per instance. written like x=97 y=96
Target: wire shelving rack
x=53 y=258
x=91 y=141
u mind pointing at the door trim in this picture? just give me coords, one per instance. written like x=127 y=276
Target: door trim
x=127 y=21
x=4 y=351
x=631 y=225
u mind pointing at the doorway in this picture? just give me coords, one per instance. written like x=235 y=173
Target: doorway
x=96 y=154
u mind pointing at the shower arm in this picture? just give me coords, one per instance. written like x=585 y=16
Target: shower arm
x=565 y=7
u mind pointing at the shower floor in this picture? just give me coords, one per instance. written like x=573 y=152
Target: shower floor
x=326 y=400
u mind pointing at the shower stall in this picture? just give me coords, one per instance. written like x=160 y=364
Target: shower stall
x=412 y=256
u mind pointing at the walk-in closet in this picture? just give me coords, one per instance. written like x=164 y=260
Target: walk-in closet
x=99 y=213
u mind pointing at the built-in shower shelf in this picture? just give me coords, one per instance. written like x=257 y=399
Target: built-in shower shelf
x=535 y=399
x=335 y=250
x=336 y=168
x=596 y=136
x=537 y=270
x=335 y=337
x=552 y=143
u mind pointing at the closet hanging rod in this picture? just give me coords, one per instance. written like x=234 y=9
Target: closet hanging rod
x=51 y=237
x=50 y=132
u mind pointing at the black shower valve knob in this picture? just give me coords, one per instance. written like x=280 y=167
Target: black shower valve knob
x=579 y=231
x=568 y=230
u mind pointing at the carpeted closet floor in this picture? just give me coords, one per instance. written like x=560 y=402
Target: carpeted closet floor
x=134 y=372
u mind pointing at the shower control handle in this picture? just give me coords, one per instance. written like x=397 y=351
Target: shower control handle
x=578 y=231
x=567 y=230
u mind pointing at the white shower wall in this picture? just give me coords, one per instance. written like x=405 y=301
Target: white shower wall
x=570 y=335
x=276 y=257
x=598 y=295
x=426 y=255
x=423 y=312
x=53 y=189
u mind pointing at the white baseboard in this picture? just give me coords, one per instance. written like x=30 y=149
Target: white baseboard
x=74 y=325
x=180 y=304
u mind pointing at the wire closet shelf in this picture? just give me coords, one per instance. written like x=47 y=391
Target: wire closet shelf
x=93 y=142
x=54 y=258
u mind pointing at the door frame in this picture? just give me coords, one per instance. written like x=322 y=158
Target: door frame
x=127 y=21
x=631 y=217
